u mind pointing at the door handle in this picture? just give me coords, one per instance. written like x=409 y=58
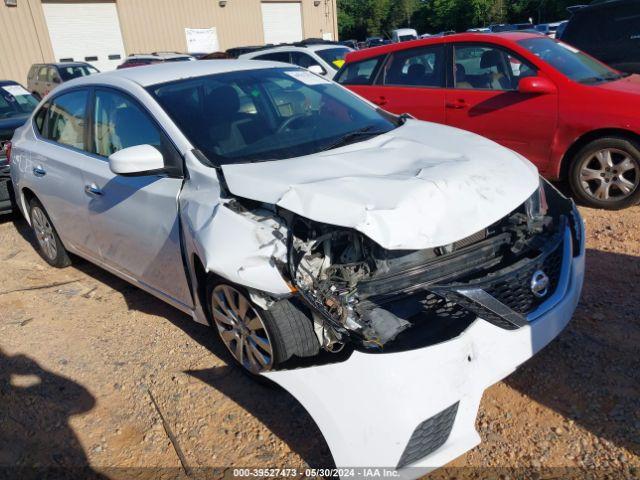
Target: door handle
x=38 y=171
x=93 y=189
x=380 y=101
x=456 y=105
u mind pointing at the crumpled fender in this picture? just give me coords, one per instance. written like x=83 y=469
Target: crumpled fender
x=368 y=406
x=242 y=247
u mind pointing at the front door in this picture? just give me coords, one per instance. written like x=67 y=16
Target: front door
x=135 y=219
x=484 y=99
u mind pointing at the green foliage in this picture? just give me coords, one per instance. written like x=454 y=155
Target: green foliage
x=362 y=18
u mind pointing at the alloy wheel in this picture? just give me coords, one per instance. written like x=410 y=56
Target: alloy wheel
x=610 y=174
x=44 y=233
x=241 y=329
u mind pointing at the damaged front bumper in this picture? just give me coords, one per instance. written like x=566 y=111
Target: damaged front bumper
x=415 y=410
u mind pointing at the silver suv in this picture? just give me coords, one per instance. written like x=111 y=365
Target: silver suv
x=44 y=77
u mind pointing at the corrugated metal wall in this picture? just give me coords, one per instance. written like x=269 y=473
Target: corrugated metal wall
x=24 y=39
x=150 y=25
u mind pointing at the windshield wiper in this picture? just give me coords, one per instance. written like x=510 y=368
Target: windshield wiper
x=609 y=78
x=348 y=138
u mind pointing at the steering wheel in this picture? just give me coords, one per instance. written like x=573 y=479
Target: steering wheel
x=287 y=123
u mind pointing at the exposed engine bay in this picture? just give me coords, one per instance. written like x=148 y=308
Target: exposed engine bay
x=383 y=300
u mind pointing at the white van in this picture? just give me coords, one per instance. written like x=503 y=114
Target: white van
x=404 y=35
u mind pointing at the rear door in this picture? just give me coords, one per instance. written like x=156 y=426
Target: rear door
x=359 y=77
x=57 y=161
x=413 y=81
x=484 y=99
x=135 y=218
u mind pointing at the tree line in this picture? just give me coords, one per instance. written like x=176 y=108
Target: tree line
x=359 y=19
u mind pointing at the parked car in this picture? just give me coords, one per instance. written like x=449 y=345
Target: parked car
x=572 y=116
x=16 y=105
x=609 y=31
x=139 y=60
x=404 y=35
x=375 y=41
x=549 y=29
x=44 y=77
x=320 y=57
x=352 y=44
x=297 y=218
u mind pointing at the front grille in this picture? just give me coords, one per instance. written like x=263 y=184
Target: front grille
x=515 y=290
x=429 y=436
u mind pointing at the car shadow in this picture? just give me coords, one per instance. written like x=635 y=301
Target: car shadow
x=278 y=410
x=36 y=440
x=591 y=372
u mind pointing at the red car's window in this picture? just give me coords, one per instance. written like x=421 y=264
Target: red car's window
x=484 y=67
x=359 y=73
x=420 y=67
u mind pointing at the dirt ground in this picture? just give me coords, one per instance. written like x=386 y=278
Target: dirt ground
x=92 y=369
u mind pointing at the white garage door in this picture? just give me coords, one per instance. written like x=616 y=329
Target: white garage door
x=282 y=22
x=85 y=32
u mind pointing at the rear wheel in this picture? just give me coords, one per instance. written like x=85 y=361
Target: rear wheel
x=49 y=244
x=259 y=340
x=606 y=173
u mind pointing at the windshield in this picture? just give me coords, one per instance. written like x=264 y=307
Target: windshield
x=267 y=114
x=75 y=71
x=569 y=61
x=15 y=101
x=406 y=38
x=333 y=56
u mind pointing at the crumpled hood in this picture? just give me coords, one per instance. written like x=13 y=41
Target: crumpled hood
x=419 y=186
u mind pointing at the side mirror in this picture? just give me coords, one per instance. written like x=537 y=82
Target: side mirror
x=317 y=69
x=536 y=86
x=57 y=80
x=136 y=161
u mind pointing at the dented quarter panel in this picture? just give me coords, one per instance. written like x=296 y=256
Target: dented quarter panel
x=407 y=189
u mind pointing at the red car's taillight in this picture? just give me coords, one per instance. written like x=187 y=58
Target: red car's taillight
x=7 y=151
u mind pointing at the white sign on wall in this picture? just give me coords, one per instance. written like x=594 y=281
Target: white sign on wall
x=202 y=40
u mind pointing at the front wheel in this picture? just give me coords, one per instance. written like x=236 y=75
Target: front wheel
x=606 y=174
x=259 y=340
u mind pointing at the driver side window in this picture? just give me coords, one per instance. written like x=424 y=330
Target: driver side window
x=488 y=68
x=119 y=123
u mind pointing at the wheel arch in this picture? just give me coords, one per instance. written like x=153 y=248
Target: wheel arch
x=588 y=138
x=26 y=195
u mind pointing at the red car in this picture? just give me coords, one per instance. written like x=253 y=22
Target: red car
x=572 y=116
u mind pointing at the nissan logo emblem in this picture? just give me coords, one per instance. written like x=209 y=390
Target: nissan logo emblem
x=539 y=284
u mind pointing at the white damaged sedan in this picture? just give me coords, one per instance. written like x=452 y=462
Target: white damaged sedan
x=411 y=264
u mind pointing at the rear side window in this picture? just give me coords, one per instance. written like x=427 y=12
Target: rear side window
x=66 y=121
x=274 y=57
x=359 y=73
x=420 y=67
x=42 y=74
x=40 y=116
x=303 y=60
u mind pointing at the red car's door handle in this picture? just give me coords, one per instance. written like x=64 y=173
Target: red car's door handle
x=456 y=104
x=380 y=101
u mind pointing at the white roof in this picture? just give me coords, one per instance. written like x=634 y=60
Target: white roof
x=312 y=47
x=171 y=71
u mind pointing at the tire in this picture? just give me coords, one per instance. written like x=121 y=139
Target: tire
x=259 y=340
x=605 y=173
x=49 y=245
